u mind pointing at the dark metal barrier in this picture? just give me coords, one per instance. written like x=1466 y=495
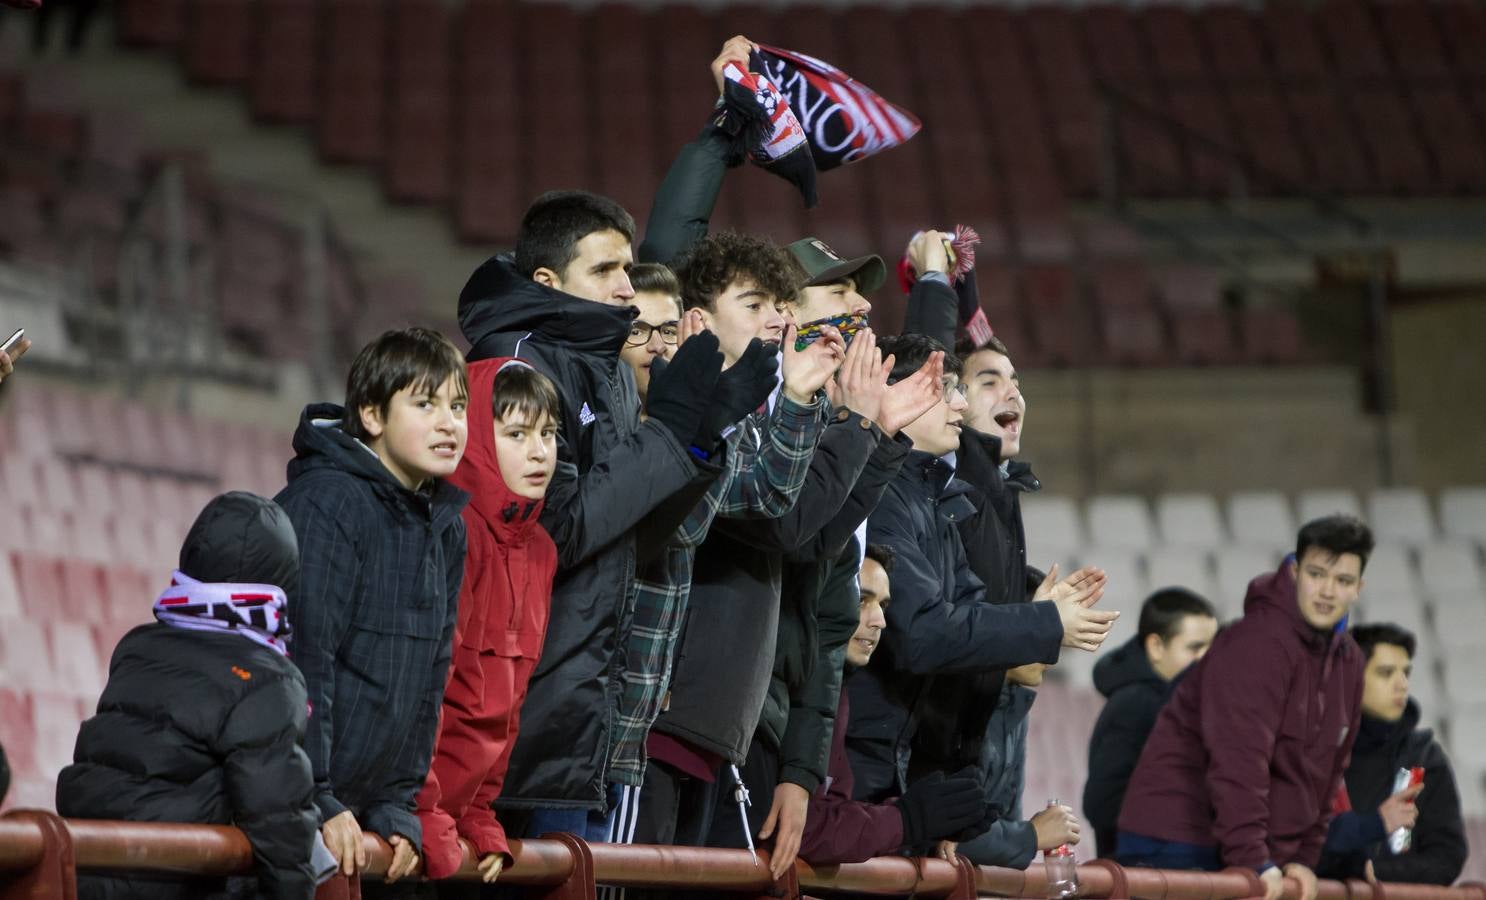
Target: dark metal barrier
x=40 y=854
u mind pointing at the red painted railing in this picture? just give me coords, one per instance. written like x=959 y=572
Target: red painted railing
x=40 y=854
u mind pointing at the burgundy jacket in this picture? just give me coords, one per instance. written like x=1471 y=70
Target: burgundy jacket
x=1250 y=749
x=839 y=829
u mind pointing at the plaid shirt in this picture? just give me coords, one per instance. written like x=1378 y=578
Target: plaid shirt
x=761 y=480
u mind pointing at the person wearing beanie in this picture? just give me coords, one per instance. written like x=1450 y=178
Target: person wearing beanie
x=203 y=715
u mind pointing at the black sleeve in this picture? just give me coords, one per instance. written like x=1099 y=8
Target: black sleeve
x=805 y=748
x=270 y=786
x=933 y=311
x=1439 y=849
x=656 y=530
x=682 y=210
x=882 y=467
x=845 y=448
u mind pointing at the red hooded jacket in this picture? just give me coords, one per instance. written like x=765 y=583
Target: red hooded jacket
x=503 y=607
x=1248 y=753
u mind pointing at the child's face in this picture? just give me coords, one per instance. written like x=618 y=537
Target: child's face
x=423 y=433
x=527 y=453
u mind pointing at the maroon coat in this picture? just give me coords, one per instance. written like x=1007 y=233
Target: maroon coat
x=1250 y=749
x=839 y=829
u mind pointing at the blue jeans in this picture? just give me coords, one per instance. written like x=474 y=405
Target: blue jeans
x=587 y=824
x=1138 y=850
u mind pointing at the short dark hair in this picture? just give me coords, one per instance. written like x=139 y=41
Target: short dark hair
x=911 y=351
x=725 y=257
x=557 y=221
x=883 y=555
x=965 y=346
x=657 y=278
x=520 y=389
x=1163 y=612
x=420 y=357
x=1336 y=534
x=1375 y=633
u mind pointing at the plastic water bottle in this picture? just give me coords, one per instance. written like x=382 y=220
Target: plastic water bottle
x=1402 y=839
x=1062 y=868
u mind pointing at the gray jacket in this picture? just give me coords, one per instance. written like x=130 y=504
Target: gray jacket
x=1012 y=841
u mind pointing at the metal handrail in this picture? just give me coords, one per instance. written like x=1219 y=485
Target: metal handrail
x=213 y=850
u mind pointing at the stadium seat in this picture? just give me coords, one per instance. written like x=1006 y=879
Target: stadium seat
x=10 y=589
x=1400 y=514
x=1189 y=520
x=1121 y=521
x=1317 y=502
x=26 y=660
x=1053 y=528
x=1180 y=566
x=76 y=659
x=1235 y=567
x=1260 y=517
x=219 y=46
x=1463 y=513
x=153 y=23
x=1389 y=569
x=1127 y=586
x=1452 y=573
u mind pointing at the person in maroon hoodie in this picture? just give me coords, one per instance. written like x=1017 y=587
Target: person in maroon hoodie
x=839 y=829
x=503 y=606
x=1247 y=754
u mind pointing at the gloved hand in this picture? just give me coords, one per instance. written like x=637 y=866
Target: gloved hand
x=938 y=807
x=681 y=392
x=741 y=388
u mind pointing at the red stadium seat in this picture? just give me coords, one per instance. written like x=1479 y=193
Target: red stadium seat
x=152 y=23
x=219 y=45
x=1232 y=42
x=1354 y=39
x=1203 y=336
x=1171 y=33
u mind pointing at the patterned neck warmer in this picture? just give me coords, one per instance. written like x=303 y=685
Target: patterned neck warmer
x=255 y=611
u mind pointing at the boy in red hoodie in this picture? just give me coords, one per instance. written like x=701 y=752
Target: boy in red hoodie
x=503 y=606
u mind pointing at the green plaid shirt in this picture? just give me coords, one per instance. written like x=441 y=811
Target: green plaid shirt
x=762 y=479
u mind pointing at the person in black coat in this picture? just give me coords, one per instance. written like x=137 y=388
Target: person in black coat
x=203 y=715
x=1391 y=739
x=1176 y=628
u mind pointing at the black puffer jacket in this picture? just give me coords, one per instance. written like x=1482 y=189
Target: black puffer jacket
x=1134 y=696
x=205 y=728
x=612 y=472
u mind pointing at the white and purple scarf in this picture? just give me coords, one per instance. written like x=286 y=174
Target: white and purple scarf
x=255 y=611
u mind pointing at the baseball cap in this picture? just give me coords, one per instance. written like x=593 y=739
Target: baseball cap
x=823 y=265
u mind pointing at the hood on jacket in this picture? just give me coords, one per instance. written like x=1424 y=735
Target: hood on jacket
x=319 y=443
x=479 y=473
x=1127 y=664
x=499 y=300
x=241 y=538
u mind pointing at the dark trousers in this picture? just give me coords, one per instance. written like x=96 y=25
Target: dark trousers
x=675 y=808
x=760 y=773
x=1139 y=850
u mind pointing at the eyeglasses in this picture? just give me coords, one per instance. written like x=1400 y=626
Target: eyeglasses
x=639 y=333
x=958 y=387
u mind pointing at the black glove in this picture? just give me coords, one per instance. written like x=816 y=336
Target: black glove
x=681 y=392
x=936 y=807
x=741 y=389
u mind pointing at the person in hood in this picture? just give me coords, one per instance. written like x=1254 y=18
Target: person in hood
x=1391 y=739
x=839 y=829
x=203 y=715
x=382 y=556
x=1250 y=749
x=1176 y=628
x=561 y=302
x=503 y=607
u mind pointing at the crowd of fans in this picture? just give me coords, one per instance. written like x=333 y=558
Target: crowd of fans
x=683 y=552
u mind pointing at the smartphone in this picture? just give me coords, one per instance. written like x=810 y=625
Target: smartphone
x=13 y=340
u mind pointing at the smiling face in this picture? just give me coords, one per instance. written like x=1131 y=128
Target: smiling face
x=423 y=433
x=937 y=431
x=600 y=271
x=1385 y=682
x=659 y=315
x=1326 y=586
x=993 y=392
x=871 y=621
x=742 y=312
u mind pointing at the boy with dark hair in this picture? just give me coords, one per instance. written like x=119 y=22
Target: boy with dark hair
x=565 y=309
x=382 y=556
x=1176 y=628
x=503 y=609
x=941 y=622
x=203 y=714
x=840 y=829
x=1250 y=749
x=1390 y=739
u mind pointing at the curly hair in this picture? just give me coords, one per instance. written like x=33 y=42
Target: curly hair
x=726 y=257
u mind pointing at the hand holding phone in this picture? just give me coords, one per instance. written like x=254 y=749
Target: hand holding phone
x=13 y=349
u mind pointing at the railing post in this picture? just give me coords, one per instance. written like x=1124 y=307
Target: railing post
x=54 y=877
x=787 y=887
x=580 y=885
x=341 y=887
x=1256 y=885
x=964 y=880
